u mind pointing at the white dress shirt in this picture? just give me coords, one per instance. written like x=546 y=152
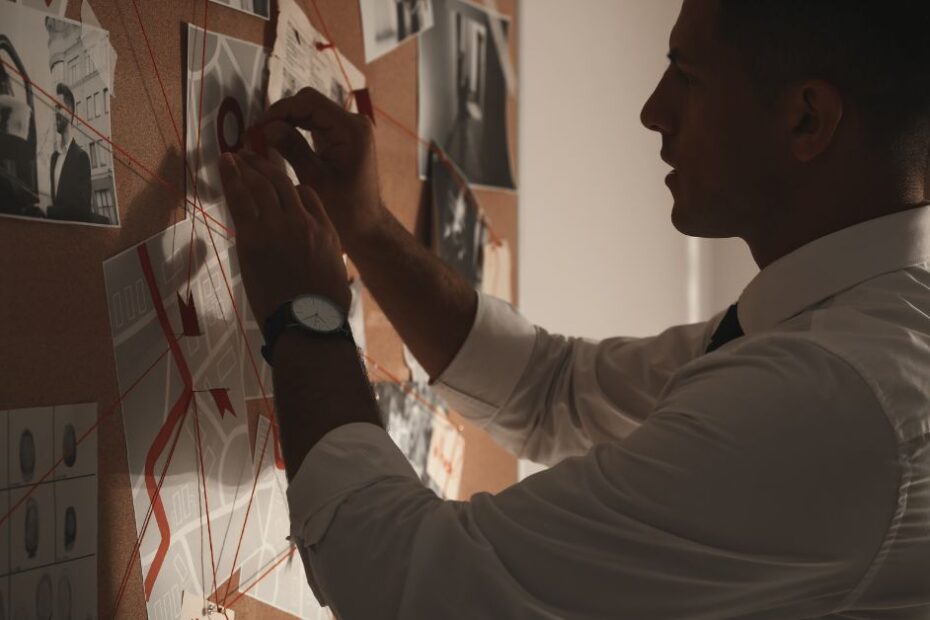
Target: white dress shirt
x=785 y=475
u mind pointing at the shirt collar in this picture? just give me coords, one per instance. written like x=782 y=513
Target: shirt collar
x=834 y=263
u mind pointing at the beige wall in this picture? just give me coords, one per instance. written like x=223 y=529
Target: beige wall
x=599 y=255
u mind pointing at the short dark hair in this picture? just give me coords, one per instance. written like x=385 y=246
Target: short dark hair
x=65 y=94
x=876 y=52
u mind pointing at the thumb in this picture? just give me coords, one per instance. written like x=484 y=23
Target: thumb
x=285 y=139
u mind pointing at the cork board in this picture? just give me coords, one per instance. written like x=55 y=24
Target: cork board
x=55 y=344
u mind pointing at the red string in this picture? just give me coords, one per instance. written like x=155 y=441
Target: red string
x=285 y=555
x=462 y=183
x=332 y=43
x=203 y=478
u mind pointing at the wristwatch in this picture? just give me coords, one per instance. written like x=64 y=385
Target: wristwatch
x=313 y=314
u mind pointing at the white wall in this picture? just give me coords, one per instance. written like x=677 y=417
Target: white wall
x=599 y=255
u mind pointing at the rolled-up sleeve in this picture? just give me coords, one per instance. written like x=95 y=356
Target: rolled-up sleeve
x=723 y=503
x=545 y=397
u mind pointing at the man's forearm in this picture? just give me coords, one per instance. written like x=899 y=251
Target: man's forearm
x=431 y=307
x=319 y=385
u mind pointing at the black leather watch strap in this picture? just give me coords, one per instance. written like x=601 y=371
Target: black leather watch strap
x=282 y=319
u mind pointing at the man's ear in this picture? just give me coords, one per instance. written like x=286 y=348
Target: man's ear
x=812 y=111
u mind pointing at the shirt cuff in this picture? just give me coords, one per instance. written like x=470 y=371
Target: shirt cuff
x=347 y=458
x=490 y=363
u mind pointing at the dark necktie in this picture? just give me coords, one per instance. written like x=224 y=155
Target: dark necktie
x=729 y=329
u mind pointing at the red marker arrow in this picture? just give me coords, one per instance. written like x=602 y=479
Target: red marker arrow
x=223 y=404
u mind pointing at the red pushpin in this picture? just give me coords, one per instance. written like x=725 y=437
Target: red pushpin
x=257 y=141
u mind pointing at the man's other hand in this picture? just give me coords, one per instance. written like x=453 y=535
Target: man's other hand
x=341 y=166
x=286 y=243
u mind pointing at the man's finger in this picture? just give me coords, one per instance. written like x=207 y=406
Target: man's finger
x=287 y=197
x=313 y=206
x=285 y=139
x=241 y=206
x=308 y=109
x=263 y=193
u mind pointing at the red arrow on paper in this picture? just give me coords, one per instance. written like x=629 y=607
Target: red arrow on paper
x=189 y=323
x=223 y=404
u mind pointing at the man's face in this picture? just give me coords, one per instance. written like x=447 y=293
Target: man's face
x=62 y=117
x=716 y=134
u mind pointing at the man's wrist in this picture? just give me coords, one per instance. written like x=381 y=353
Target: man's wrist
x=320 y=385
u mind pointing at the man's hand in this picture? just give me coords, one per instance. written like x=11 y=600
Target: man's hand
x=286 y=244
x=341 y=166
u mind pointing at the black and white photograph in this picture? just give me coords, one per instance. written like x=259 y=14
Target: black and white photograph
x=459 y=233
x=32 y=595
x=261 y=8
x=75 y=443
x=53 y=526
x=388 y=23
x=53 y=166
x=30 y=444
x=76 y=589
x=76 y=518
x=32 y=528
x=408 y=422
x=463 y=92
x=67 y=591
x=231 y=73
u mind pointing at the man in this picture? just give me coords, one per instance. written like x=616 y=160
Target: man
x=409 y=17
x=773 y=462
x=69 y=167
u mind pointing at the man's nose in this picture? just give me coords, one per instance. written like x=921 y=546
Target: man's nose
x=656 y=113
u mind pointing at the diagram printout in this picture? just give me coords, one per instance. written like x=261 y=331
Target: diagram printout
x=188 y=405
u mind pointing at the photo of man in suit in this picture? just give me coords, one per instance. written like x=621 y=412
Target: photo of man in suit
x=69 y=167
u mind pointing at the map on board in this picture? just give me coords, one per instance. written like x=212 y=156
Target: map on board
x=147 y=288
x=285 y=586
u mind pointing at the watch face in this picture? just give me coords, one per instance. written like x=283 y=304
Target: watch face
x=317 y=313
